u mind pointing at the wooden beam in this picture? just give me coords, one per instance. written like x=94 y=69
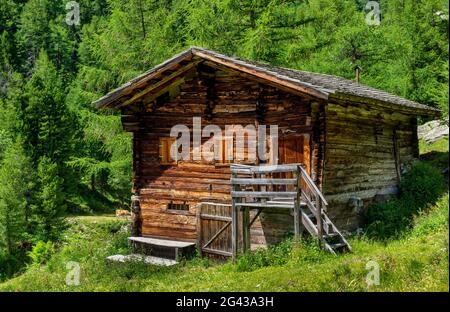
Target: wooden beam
x=254 y=71
x=159 y=84
x=115 y=95
x=246 y=229
x=257 y=79
x=421 y=111
x=216 y=235
x=264 y=168
x=254 y=218
x=218 y=252
x=216 y=218
x=199 y=229
x=396 y=154
x=319 y=218
x=268 y=204
x=257 y=181
x=234 y=224
x=263 y=194
x=297 y=205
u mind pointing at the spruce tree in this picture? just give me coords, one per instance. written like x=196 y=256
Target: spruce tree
x=15 y=182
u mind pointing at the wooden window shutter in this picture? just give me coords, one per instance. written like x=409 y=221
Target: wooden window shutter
x=223 y=152
x=165 y=144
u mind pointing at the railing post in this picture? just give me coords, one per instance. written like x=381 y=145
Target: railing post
x=234 y=223
x=136 y=217
x=319 y=218
x=245 y=229
x=297 y=204
x=200 y=229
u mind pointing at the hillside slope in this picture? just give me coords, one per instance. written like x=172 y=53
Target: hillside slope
x=416 y=260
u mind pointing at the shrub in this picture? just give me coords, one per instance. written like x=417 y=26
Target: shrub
x=9 y=265
x=421 y=186
x=41 y=252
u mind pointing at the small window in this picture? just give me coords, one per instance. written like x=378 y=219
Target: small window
x=165 y=145
x=179 y=207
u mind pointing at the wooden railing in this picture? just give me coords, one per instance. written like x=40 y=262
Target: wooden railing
x=258 y=187
x=314 y=200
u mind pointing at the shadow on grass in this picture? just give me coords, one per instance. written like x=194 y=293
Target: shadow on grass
x=436 y=159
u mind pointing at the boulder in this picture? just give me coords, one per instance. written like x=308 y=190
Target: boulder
x=432 y=131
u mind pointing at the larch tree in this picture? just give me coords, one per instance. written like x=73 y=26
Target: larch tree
x=15 y=182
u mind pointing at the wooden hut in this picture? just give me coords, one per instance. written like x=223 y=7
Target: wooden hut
x=353 y=143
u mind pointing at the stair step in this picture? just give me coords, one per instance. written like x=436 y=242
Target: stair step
x=141 y=258
x=338 y=245
x=163 y=248
x=331 y=235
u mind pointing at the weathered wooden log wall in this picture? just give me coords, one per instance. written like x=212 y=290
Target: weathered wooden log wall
x=360 y=156
x=233 y=100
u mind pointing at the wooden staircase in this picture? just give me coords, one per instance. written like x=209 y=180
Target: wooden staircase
x=285 y=187
x=332 y=240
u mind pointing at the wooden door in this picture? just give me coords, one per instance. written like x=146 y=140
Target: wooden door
x=294 y=149
x=291 y=150
x=214 y=229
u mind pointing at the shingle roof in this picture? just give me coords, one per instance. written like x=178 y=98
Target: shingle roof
x=319 y=85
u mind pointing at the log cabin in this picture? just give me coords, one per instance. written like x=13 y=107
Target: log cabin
x=352 y=143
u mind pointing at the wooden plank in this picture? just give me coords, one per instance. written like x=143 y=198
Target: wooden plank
x=215 y=217
x=263 y=194
x=287 y=205
x=263 y=169
x=254 y=218
x=297 y=206
x=161 y=242
x=218 y=252
x=246 y=230
x=234 y=224
x=199 y=229
x=396 y=155
x=309 y=225
x=257 y=181
x=319 y=219
x=312 y=185
x=216 y=235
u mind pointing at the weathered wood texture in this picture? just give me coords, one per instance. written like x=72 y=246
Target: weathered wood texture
x=214 y=237
x=234 y=101
x=348 y=147
x=359 y=157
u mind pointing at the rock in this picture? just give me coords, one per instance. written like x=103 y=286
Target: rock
x=432 y=131
x=141 y=258
x=356 y=204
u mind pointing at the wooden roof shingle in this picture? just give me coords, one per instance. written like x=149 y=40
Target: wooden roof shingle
x=314 y=84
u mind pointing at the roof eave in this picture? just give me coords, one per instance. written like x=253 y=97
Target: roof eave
x=111 y=97
x=418 y=110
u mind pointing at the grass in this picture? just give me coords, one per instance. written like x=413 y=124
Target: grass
x=415 y=261
x=436 y=154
